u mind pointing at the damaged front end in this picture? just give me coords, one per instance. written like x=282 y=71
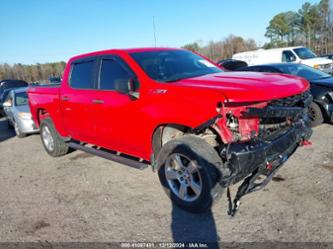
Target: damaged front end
x=258 y=139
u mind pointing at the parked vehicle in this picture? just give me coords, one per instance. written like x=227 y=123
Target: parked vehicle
x=6 y=86
x=200 y=128
x=321 y=109
x=17 y=110
x=54 y=80
x=231 y=64
x=291 y=54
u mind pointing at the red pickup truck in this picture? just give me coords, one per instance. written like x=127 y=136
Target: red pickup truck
x=200 y=128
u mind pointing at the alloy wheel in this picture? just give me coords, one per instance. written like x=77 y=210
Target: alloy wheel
x=183 y=177
x=47 y=138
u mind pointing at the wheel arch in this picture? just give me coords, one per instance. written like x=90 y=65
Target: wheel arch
x=161 y=130
x=42 y=113
x=167 y=131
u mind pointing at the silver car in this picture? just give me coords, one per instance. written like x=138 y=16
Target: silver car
x=17 y=110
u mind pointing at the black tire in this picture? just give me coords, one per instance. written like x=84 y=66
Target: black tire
x=18 y=132
x=315 y=114
x=210 y=167
x=59 y=146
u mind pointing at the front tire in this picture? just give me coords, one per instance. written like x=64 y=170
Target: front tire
x=315 y=114
x=53 y=143
x=190 y=170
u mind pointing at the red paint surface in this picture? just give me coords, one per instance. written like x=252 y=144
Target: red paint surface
x=127 y=125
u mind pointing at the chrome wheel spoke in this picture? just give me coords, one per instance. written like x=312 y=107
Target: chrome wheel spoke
x=183 y=191
x=195 y=187
x=191 y=167
x=178 y=161
x=171 y=174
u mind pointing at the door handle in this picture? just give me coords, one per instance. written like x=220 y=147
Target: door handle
x=65 y=98
x=98 y=101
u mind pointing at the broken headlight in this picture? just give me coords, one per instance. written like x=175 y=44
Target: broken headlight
x=232 y=123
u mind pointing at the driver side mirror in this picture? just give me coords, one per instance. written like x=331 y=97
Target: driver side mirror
x=130 y=87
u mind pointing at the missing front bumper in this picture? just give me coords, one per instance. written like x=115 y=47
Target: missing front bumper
x=244 y=158
x=258 y=162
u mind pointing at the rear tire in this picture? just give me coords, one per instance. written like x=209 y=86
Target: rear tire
x=53 y=143
x=315 y=114
x=189 y=171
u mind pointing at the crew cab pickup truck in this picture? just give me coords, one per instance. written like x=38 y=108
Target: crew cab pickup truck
x=200 y=128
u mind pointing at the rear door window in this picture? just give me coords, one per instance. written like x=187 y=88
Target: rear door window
x=83 y=75
x=288 y=56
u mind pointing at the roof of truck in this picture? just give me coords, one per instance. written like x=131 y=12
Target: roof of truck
x=126 y=50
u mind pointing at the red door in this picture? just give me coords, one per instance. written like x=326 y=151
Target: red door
x=78 y=98
x=115 y=111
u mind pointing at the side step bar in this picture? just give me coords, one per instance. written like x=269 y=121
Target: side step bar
x=109 y=155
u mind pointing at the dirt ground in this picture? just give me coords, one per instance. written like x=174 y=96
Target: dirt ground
x=80 y=197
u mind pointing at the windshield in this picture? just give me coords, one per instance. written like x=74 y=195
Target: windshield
x=173 y=65
x=304 y=71
x=304 y=53
x=21 y=99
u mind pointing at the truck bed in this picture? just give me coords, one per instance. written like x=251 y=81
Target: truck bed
x=44 y=97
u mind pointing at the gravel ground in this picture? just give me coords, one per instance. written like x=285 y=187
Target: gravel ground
x=80 y=197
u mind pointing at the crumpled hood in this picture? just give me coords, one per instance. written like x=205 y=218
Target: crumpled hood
x=249 y=86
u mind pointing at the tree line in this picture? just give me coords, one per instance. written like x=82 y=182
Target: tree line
x=310 y=26
x=32 y=73
x=224 y=48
